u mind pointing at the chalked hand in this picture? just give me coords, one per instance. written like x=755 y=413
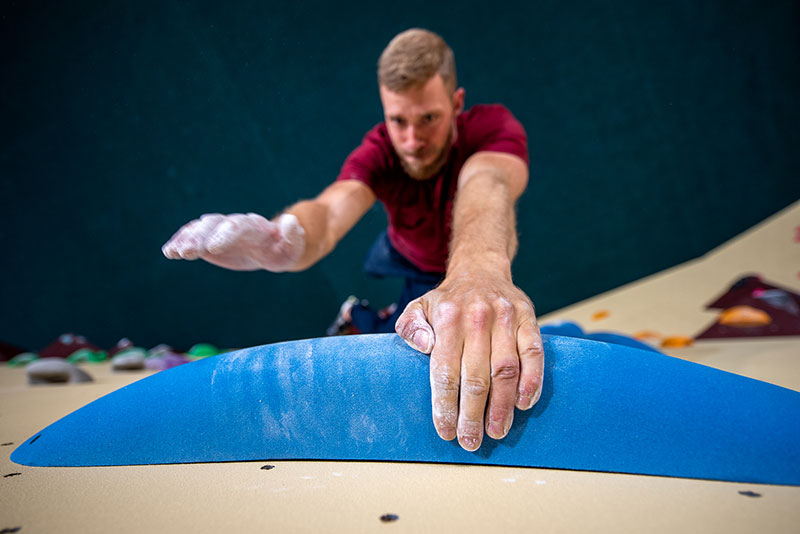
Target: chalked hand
x=242 y=242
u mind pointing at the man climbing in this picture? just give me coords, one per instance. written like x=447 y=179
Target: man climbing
x=449 y=180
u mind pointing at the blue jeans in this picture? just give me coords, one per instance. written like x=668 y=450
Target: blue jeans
x=384 y=261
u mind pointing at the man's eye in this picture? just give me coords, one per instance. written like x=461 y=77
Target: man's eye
x=429 y=118
x=399 y=122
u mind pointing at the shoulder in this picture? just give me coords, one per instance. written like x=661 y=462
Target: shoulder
x=492 y=127
x=488 y=111
x=488 y=118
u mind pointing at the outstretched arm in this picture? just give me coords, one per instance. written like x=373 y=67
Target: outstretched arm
x=479 y=328
x=298 y=238
x=328 y=218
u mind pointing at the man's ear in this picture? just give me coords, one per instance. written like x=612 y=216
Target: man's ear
x=458 y=100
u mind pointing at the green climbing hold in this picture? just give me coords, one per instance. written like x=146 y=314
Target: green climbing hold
x=23 y=359
x=87 y=356
x=203 y=350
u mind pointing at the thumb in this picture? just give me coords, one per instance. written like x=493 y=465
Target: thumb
x=413 y=327
x=290 y=229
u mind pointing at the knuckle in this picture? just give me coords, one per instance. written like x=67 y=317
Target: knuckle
x=445 y=415
x=446 y=313
x=479 y=314
x=444 y=383
x=506 y=371
x=503 y=308
x=475 y=386
x=533 y=349
x=524 y=306
x=505 y=313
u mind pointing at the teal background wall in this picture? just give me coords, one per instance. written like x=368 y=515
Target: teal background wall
x=657 y=131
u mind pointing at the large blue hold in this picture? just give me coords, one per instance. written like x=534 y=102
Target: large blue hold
x=604 y=408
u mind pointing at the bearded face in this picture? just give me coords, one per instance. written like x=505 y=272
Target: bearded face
x=421 y=124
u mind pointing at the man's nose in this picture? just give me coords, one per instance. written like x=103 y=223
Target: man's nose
x=414 y=140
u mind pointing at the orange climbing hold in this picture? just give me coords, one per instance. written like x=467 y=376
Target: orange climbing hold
x=601 y=314
x=643 y=335
x=744 y=317
x=676 y=342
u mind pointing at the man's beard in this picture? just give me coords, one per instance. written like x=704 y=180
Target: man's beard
x=428 y=171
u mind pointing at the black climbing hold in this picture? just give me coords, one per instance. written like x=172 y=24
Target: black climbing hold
x=11 y=475
x=389 y=518
x=267 y=467
x=6 y=444
x=749 y=494
x=10 y=530
x=35 y=438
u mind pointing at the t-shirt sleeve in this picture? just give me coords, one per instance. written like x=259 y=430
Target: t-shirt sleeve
x=367 y=162
x=497 y=130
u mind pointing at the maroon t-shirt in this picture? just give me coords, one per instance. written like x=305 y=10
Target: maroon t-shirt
x=420 y=211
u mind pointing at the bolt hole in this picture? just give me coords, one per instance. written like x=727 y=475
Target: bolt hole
x=750 y=494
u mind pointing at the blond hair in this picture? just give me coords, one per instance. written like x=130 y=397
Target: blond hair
x=412 y=58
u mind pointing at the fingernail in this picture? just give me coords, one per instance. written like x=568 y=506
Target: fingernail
x=536 y=396
x=524 y=401
x=495 y=429
x=499 y=429
x=470 y=443
x=421 y=340
x=447 y=433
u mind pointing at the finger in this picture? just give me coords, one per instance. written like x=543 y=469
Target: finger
x=189 y=242
x=192 y=242
x=170 y=249
x=475 y=376
x=445 y=374
x=179 y=244
x=221 y=237
x=505 y=371
x=413 y=327
x=531 y=358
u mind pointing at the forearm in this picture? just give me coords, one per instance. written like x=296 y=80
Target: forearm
x=479 y=328
x=484 y=236
x=313 y=217
x=328 y=217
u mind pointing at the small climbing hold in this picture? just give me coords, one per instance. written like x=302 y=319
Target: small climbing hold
x=86 y=355
x=389 y=518
x=22 y=359
x=676 y=342
x=642 y=335
x=744 y=317
x=203 y=350
x=131 y=359
x=600 y=314
x=55 y=371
